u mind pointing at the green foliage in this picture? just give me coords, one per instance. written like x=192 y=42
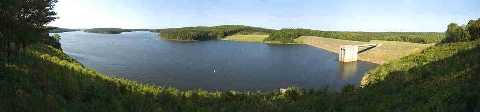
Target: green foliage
x=441 y=78
x=22 y=23
x=108 y=30
x=288 y=35
x=53 y=41
x=456 y=33
x=208 y=33
x=463 y=33
x=473 y=27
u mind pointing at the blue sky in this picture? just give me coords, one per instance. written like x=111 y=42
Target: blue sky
x=332 y=15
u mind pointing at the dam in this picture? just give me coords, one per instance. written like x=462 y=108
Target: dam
x=349 y=53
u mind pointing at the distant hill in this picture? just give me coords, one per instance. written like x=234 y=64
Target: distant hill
x=61 y=30
x=113 y=30
x=107 y=30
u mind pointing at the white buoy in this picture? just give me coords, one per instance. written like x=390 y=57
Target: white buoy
x=214 y=71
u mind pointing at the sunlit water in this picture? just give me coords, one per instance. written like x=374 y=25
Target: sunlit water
x=211 y=65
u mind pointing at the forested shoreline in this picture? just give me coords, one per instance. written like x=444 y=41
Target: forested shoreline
x=209 y=33
x=107 y=30
x=287 y=35
x=61 y=30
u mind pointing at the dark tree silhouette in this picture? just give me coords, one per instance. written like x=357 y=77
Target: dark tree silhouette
x=22 y=22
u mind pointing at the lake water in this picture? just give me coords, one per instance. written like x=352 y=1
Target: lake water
x=211 y=65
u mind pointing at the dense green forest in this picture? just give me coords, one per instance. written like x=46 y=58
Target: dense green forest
x=208 y=33
x=35 y=76
x=61 y=30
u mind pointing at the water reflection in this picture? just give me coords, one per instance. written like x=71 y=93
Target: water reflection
x=346 y=70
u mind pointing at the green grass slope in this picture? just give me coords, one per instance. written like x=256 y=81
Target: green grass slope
x=46 y=79
x=441 y=78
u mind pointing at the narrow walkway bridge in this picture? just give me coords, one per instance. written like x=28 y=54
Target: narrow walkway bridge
x=349 y=53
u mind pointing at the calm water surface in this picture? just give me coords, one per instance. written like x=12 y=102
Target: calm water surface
x=211 y=65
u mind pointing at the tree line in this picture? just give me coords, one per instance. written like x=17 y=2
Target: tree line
x=61 y=30
x=287 y=35
x=107 y=30
x=22 y=23
x=414 y=37
x=208 y=33
x=464 y=33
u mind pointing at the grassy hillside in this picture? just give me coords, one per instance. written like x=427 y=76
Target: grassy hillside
x=442 y=78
